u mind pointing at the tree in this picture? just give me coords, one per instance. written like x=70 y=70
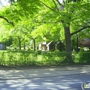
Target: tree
x=17 y=13
x=2 y=17
x=68 y=13
x=73 y=15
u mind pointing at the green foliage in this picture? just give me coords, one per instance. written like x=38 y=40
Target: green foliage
x=38 y=58
x=41 y=18
x=29 y=58
x=84 y=57
x=38 y=52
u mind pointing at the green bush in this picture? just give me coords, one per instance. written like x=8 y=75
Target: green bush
x=38 y=51
x=84 y=57
x=30 y=58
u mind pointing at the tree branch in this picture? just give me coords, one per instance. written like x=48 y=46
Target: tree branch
x=47 y=6
x=7 y=20
x=49 y=22
x=60 y=4
x=79 y=30
x=55 y=5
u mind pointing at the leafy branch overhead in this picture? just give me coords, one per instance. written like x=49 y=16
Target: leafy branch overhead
x=2 y=17
x=48 y=18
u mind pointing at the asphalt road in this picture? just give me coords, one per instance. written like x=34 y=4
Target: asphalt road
x=58 y=82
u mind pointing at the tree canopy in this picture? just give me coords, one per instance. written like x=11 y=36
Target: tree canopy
x=53 y=19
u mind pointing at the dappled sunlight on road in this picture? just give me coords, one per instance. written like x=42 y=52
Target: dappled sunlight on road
x=11 y=73
x=63 y=82
x=57 y=78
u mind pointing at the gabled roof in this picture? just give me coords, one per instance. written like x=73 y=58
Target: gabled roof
x=49 y=43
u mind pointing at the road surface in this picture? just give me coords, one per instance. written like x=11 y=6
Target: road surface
x=52 y=80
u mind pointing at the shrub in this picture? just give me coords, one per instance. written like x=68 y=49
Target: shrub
x=84 y=57
x=30 y=58
x=38 y=52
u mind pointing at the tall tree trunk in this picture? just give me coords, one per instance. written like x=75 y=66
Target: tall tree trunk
x=19 y=39
x=68 y=44
x=77 y=43
x=24 y=46
x=34 y=44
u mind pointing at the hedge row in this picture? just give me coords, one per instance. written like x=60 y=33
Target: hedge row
x=28 y=58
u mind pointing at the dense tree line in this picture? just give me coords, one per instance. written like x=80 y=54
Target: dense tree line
x=53 y=19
